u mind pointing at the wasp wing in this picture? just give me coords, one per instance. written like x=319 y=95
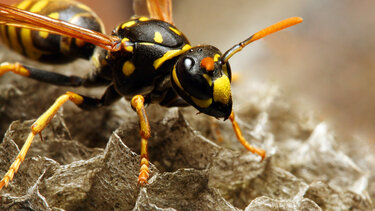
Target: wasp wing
x=12 y=16
x=157 y=9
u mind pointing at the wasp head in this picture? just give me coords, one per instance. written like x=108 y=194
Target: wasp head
x=203 y=80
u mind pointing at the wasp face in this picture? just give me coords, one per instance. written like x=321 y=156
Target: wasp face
x=201 y=78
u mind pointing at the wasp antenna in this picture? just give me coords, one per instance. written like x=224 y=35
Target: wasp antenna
x=260 y=34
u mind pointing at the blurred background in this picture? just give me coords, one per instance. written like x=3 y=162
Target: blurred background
x=325 y=64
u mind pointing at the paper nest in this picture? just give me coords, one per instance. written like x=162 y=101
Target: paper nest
x=94 y=164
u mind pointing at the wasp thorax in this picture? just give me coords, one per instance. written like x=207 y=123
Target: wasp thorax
x=201 y=79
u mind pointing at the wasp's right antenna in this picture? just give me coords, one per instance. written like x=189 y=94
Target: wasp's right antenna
x=262 y=33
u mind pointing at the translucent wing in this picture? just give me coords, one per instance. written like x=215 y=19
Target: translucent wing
x=157 y=9
x=13 y=16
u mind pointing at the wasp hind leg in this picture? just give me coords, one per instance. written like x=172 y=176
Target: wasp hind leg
x=37 y=127
x=52 y=77
x=243 y=141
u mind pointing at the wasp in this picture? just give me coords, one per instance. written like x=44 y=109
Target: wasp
x=145 y=60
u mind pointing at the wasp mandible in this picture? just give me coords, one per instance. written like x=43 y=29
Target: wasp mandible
x=146 y=60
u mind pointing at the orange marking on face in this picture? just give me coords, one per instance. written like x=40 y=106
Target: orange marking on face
x=208 y=63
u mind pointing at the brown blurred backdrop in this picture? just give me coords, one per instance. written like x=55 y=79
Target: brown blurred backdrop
x=326 y=63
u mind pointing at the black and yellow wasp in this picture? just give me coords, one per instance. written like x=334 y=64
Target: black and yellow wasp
x=146 y=60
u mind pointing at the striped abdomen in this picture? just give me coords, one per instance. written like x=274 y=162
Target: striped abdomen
x=47 y=47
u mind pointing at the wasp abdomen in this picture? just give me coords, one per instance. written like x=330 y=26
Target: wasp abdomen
x=47 y=47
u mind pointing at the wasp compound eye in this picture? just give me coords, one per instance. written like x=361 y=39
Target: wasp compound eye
x=192 y=80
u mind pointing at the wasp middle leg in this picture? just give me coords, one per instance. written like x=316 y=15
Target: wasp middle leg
x=137 y=103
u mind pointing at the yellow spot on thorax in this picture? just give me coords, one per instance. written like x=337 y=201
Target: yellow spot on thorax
x=158 y=38
x=128 y=68
x=128 y=48
x=127 y=24
x=222 y=92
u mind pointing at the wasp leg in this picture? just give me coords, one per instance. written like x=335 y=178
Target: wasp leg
x=137 y=103
x=243 y=141
x=51 y=77
x=37 y=127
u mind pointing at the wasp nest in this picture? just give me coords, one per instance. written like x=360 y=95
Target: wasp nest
x=89 y=159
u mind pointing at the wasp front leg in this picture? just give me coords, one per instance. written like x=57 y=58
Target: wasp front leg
x=83 y=102
x=137 y=103
x=243 y=141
